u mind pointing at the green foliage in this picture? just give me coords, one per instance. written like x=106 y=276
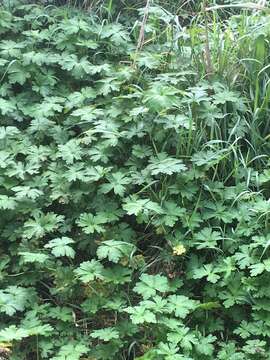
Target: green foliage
x=134 y=184
x=60 y=247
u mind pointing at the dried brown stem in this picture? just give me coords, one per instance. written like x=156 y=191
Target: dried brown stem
x=208 y=61
x=141 y=35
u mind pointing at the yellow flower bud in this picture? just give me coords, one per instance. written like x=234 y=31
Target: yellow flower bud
x=179 y=250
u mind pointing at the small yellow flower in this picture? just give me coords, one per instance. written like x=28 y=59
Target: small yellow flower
x=5 y=349
x=179 y=250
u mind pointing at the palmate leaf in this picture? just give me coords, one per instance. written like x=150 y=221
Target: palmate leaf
x=108 y=85
x=89 y=44
x=141 y=151
x=71 y=151
x=6 y=21
x=148 y=60
x=15 y=298
x=7 y=203
x=264 y=177
x=41 y=224
x=116 y=33
x=161 y=97
x=38 y=154
x=205 y=345
x=7 y=107
x=100 y=153
x=60 y=247
x=226 y=96
x=197 y=94
x=176 y=122
x=255 y=346
x=117 y=275
x=149 y=285
x=34 y=326
x=75 y=99
x=88 y=113
x=71 y=351
x=183 y=337
x=12 y=333
x=17 y=74
x=157 y=304
x=140 y=315
x=117 y=182
x=104 y=68
x=30 y=257
x=40 y=125
x=245 y=329
x=10 y=48
x=62 y=313
x=106 y=334
x=117 y=304
x=8 y=132
x=170 y=352
x=219 y=211
x=78 y=67
x=21 y=170
x=49 y=107
x=45 y=82
x=95 y=173
x=40 y=58
x=243 y=257
x=259 y=268
x=181 y=305
x=172 y=213
x=164 y=164
x=207 y=271
x=26 y=192
x=42 y=330
x=234 y=294
x=74 y=25
x=5 y=160
x=134 y=206
x=90 y=270
x=209 y=157
x=91 y=223
x=207 y=238
x=114 y=250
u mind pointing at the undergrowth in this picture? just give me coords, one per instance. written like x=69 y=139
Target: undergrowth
x=134 y=167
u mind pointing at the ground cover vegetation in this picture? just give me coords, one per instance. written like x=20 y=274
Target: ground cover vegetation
x=134 y=177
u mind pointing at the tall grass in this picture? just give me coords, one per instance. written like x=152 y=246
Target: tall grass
x=239 y=53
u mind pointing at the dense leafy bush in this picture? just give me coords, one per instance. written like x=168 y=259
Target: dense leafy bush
x=134 y=191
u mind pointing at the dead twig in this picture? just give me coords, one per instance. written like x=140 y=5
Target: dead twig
x=141 y=35
x=208 y=61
